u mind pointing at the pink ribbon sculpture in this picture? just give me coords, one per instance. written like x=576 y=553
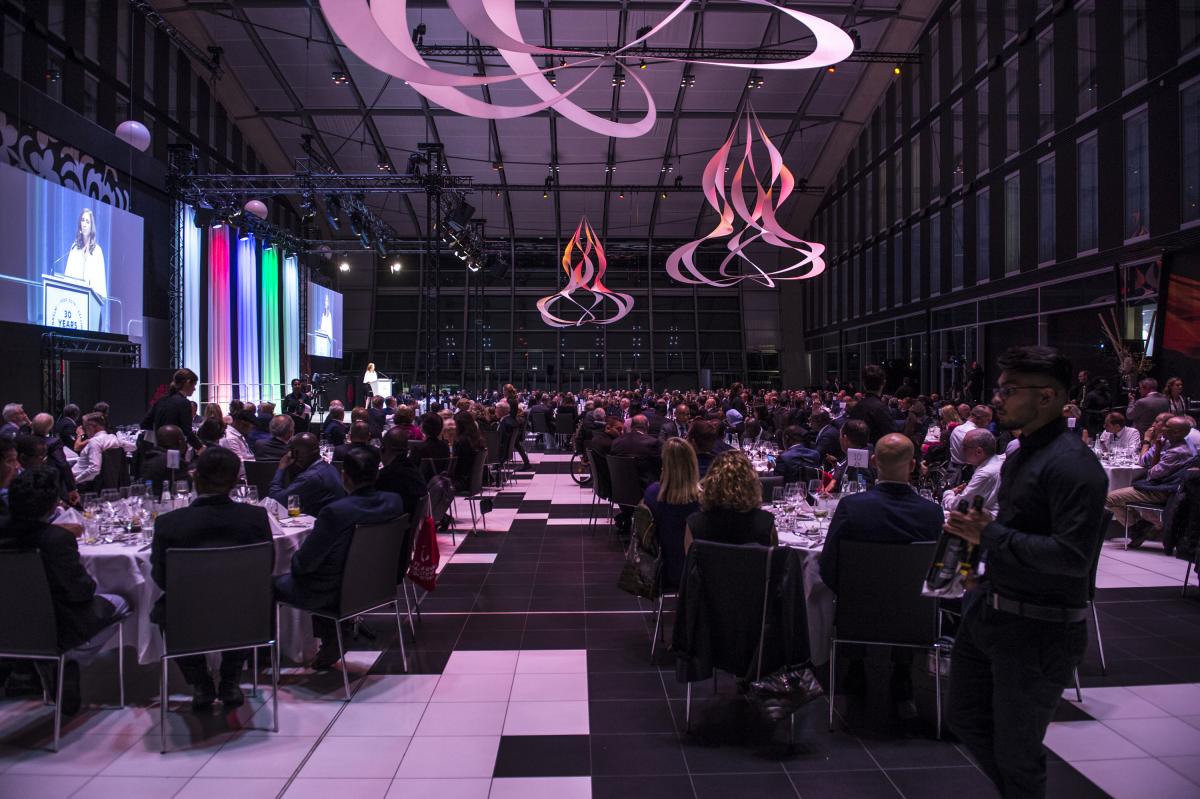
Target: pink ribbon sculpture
x=586 y=274
x=756 y=224
x=378 y=33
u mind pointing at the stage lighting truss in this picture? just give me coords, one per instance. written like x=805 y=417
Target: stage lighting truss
x=584 y=262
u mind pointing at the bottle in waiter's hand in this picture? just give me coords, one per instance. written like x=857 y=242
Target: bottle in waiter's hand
x=954 y=560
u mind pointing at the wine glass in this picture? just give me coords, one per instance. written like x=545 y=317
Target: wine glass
x=181 y=489
x=815 y=488
x=251 y=495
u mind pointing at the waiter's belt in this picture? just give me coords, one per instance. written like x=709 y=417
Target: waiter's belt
x=1032 y=611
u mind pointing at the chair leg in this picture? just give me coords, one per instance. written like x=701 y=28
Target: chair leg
x=482 y=518
x=1127 y=529
x=337 y=626
x=687 y=710
x=1099 y=638
x=832 y=679
x=1078 y=689
x=400 y=632
x=162 y=704
x=275 y=680
x=1187 y=575
x=657 y=625
x=254 y=672
x=408 y=607
x=937 y=689
x=58 y=692
x=121 y=664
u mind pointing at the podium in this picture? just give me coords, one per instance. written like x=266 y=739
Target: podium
x=381 y=387
x=70 y=304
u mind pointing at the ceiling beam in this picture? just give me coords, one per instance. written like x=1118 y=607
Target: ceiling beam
x=629 y=113
x=614 y=114
x=834 y=8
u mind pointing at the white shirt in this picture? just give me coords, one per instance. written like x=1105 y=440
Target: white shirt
x=1128 y=438
x=235 y=443
x=956 y=440
x=87 y=466
x=985 y=482
x=88 y=267
x=370 y=377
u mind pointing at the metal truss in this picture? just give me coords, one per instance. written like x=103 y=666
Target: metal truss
x=56 y=346
x=748 y=54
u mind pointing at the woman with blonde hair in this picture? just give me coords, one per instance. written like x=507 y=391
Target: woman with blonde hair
x=730 y=500
x=671 y=500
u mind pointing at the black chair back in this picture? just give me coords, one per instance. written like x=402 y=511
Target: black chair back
x=29 y=624
x=769 y=484
x=431 y=467
x=495 y=453
x=260 y=474
x=1105 y=520
x=538 y=422
x=623 y=474
x=478 y=467
x=879 y=593
x=602 y=481
x=565 y=423
x=114 y=470
x=205 y=614
x=369 y=579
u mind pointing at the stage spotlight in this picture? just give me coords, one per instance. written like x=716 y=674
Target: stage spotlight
x=333 y=212
x=204 y=216
x=831 y=69
x=621 y=196
x=896 y=70
x=678 y=182
x=418 y=34
x=339 y=78
x=344 y=266
x=396 y=267
x=663 y=195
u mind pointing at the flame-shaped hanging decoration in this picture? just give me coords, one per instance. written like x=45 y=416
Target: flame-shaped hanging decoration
x=379 y=33
x=752 y=224
x=584 y=262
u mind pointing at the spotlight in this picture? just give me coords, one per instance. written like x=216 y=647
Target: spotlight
x=687 y=81
x=831 y=69
x=344 y=266
x=497 y=166
x=333 y=211
x=855 y=38
x=896 y=70
x=618 y=79
x=755 y=82
x=667 y=167
x=643 y=32
x=339 y=78
x=396 y=267
x=642 y=64
x=497 y=194
x=384 y=165
x=621 y=196
x=678 y=182
x=548 y=186
x=550 y=76
x=663 y=195
x=53 y=76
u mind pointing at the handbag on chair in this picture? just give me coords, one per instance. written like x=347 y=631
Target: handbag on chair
x=642 y=572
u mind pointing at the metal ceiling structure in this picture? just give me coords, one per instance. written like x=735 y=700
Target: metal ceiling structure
x=318 y=100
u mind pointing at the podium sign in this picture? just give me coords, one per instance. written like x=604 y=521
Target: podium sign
x=69 y=303
x=382 y=388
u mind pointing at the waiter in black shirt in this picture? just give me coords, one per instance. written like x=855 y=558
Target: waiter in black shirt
x=1023 y=630
x=294 y=404
x=175 y=408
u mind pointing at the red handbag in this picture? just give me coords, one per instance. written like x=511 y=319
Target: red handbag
x=423 y=568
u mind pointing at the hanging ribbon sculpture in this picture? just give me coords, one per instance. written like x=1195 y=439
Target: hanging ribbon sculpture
x=586 y=274
x=756 y=224
x=378 y=33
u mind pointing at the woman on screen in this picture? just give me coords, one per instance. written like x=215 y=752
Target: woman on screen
x=324 y=341
x=85 y=261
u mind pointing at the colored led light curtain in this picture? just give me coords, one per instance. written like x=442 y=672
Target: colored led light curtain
x=220 y=352
x=747 y=224
x=191 y=292
x=249 y=387
x=379 y=34
x=584 y=262
x=291 y=318
x=269 y=363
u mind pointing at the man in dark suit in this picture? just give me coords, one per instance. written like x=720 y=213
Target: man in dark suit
x=360 y=436
x=639 y=444
x=9 y=466
x=854 y=435
x=68 y=425
x=315 y=580
x=304 y=473
x=85 y=619
x=677 y=427
x=656 y=417
x=890 y=513
x=282 y=428
x=828 y=440
x=1148 y=405
x=334 y=429
x=43 y=431
x=376 y=417
x=15 y=421
x=871 y=408
x=797 y=463
x=212 y=520
x=399 y=475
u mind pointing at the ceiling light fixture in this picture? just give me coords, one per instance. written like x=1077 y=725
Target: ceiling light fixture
x=339 y=78
x=896 y=70
x=688 y=81
x=344 y=266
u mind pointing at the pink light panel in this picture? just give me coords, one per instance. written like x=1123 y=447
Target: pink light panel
x=745 y=224
x=584 y=262
x=220 y=347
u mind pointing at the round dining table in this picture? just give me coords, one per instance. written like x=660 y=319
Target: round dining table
x=818 y=597
x=1122 y=476
x=124 y=569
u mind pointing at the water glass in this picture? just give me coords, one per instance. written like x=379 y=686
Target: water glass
x=925 y=493
x=814 y=487
x=293 y=505
x=251 y=495
x=181 y=489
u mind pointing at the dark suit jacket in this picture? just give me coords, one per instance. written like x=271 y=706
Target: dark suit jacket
x=402 y=478
x=879 y=420
x=339 y=453
x=1141 y=413
x=56 y=457
x=317 y=486
x=890 y=513
x=334 y=431
x=829 y=443
x=78 y=612
x=270 y=449
x=318 y=565
x=430 y=456
x=150 y=463
x=212 y=521
x=656 y=422
x=646 y=449
x=376 y=419
x=65 y=429
x=797 y=463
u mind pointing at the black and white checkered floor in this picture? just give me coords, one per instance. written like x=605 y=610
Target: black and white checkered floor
x=531 y=677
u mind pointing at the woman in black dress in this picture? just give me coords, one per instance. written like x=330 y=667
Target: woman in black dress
x=175 y=408
x=468 y=443
x=730 y=500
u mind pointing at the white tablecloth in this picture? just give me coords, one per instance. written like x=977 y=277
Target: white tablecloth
x=125 y=570
x=1123 y=476
x=817 y=596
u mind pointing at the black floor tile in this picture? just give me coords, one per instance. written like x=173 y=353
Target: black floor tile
x=849 y=785
x=626 y=660
x=555 y=621
x=1063 y=781
x=749 y=786
x=951 y=781
x=636 y=754
x=496 y=639
x=543 y=756
x=630 y=716
x=729 y=757
x=554 y=639
x=821 y=750
x=633 y=640
x=641 y=787
x=641 y=685
x=914 y=753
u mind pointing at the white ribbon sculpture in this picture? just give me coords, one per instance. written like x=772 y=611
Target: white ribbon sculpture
x=586 y=274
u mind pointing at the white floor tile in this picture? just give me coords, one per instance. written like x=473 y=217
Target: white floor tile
x=552 y=661
x=41 y=786
x=481 y=662
x=1116 y=703
x=1160 y=737
x=295 y=717
x=546 y=718
x=473 y=688
x=378 y=718
x=184 y=757
x=1088 y=740
x=1179 y=700
x=131 y=788
x=549 y=687
x=1187 y=765
x=77 y=755
x=542 y=787
x=231 y=788
x=303 y=788
x=397 y=688
x=463 y=718
x=366 y=757
x=568 y=521
x=1137 y=779
x=474 y=557
x=473 y=756
x=440 y=788
x=259 y=756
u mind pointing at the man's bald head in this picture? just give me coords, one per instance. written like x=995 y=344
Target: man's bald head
x=305 y=449
x=639 y=423
x=42 y=424
x=978 y=446
x=1177 y=429
x=894 y=457
x=169 y=437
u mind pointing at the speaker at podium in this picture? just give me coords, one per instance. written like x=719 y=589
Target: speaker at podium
x=70 y=303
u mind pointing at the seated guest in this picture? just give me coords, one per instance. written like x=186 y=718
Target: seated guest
x=398 y=475
x=236 y=438
x=212 y=520
x=315 y=580
x=15 y=421
x=677 y=427
x=211 y=432
x=602 y=441
x=262 y=420
x=282 y=428
x=702 y=435
x=979 y=451
x=449 y=429
x=1166 y=461
x=468 y=443
x=95 y=440
x=797 y=463
x=377 y=417
x=890 y=513
x=67 y=425
x=1117 y=436
x=430 y=454
x=828 y=441
x=85 y=620
x=404 y=418
x=1071 y=411
x=360 y=436
x=43 y=429
x=334 y=429
x=980 y=417
x=854 y=435
x=10 y=466
x=305 y=474
x=643 y=447
x=150 y=461
x=730 y=505
x=672 y=499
